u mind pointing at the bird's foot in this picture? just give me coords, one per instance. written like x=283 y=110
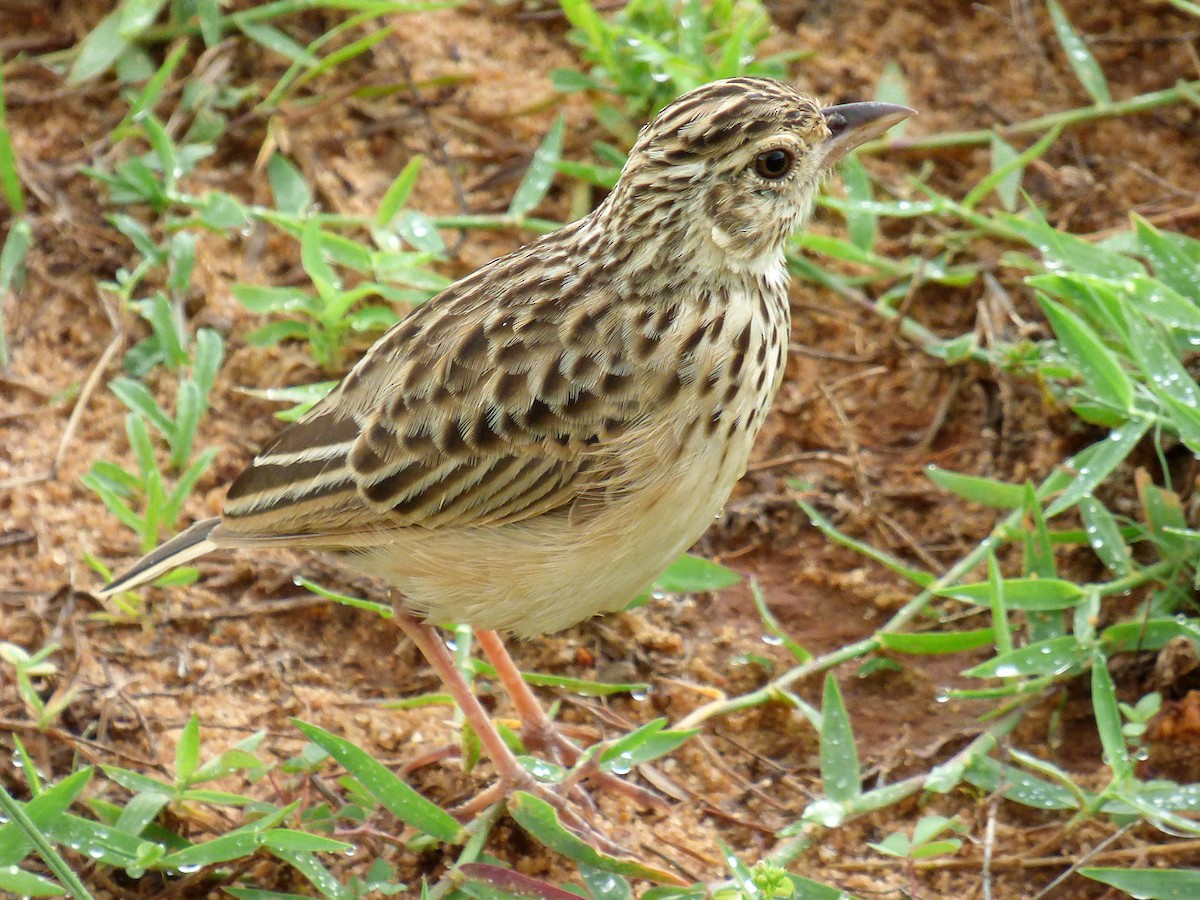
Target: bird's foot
x=544 y=738
x=573 y=806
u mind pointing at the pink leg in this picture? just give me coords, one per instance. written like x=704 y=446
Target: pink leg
x=512 y=775
x=435 y=652
x=539 y=733
x=537 y=730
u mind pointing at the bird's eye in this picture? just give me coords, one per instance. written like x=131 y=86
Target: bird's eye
x=773 y=163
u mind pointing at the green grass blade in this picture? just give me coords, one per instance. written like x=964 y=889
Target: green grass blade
x=841 y=776
x=987 y=491
x=1095 y=463
x=12 y=263
x=397 y=193
x=538 y=178
x=10 y=179
x=99 y=49
x=1087 y=70
x=1101 y=371
x=1108 y=719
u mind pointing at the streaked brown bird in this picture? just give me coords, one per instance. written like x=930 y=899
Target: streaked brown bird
x=535 y=444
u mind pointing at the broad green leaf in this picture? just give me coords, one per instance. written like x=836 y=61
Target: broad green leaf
x=1104 y=535
x=43 y=809
x=265 y=299
x=397 y=193
x=536 y=183
x=312 y=257
x=1067 y=252
x=99 y=49
x=222 y=212
x=935 y=642
x=320 y=877
x=274 y=39
x=1004 y=160
x=987 y=491
x=140 y=811
x=641 y=745
x=103 y=843
x=397 y=797
x=860 y=222
x=1052 y=657
x=840 y=774
x=137 y=15
x=1171 y=264
x=291 y=192
x=1040 y=594
x=189 y=407
x=892 y=87
x=19 y=883
x=10 y=178
x=187 y=751
x=1007 y=169
x=238 y=844
x=181 y=260
x=1087 y=70
x=208 y=12
x=1018 y=785
x=210 y=350
x=1159 y=301
x=1160 y=362
x=538 y=818
x=1101 y=371
x=1150 y=884
x=1108 y=719
x=419 y=232
x=604 y=885
x=1184 y=420
x=694 y=575
x=1095 y=463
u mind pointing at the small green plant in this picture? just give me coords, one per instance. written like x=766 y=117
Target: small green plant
x=141 y=498
x=651 y=51
x=1137 y=720
x=20 y=232
x=327 y=316
x=925 y=842
x=30 y=666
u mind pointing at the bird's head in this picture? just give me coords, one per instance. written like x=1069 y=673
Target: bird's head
x=733 y=166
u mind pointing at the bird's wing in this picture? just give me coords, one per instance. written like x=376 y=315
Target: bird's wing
x=470 y=411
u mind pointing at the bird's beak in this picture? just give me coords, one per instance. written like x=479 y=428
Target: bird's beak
x=852 y=124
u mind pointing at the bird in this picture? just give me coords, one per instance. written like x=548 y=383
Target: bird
x=535 y=444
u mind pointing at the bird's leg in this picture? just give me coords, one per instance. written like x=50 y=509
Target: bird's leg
x=511 y=773
x=539 y=733
x=438 y=656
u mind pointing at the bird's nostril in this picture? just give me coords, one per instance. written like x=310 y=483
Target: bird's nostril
x=836 y=122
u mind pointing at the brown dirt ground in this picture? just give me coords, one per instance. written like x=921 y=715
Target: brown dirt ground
x=861 y=414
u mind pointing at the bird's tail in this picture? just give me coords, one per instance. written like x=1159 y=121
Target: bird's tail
x=186 y=546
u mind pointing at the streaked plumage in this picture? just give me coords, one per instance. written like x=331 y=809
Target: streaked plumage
x=535 y=444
